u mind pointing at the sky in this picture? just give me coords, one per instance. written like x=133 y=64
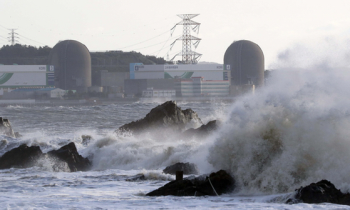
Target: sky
x=145 y=26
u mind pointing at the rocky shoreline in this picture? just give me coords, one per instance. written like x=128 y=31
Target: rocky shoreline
x=165 y=118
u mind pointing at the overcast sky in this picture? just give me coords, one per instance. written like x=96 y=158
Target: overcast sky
x=144 y=25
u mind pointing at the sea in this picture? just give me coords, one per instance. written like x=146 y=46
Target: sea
x=288 y=134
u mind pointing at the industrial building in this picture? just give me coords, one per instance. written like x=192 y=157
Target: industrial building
x=186 y=79
x=25 y=76
x=15 y=76
x=37 y=93
x=153 y=93
x=72 y=63
x=196 y=86
x=245 y=60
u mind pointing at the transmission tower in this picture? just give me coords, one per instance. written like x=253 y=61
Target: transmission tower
x=188 y=56
x=12 y=38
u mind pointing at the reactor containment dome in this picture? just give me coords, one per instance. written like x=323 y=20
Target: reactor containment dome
x=245 y=59
x=72 y=62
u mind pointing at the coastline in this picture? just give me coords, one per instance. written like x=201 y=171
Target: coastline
x=92 y=102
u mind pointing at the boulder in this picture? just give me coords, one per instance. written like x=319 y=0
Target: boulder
x=166 y=115
x=21 y=157
x=86 y=139
x=70 y=155
x=6 y=128
x=321 y=192
x=221 y=181
x=203 y=130
x=187 y=168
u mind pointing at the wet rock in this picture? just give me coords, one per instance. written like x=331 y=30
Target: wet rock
x=187 y=168
x=86 y=139
x=70 y=155
x=321 y=192
x=6 y=128
x=222 y=183
x=203 y=130
x=166 y=115
x=3 y=143
x=21 y=157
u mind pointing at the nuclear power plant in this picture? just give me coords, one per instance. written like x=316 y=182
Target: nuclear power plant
x=245 y=60
x=69 y=68
x=72 y=62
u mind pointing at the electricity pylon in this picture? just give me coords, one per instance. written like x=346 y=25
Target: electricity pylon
x=12 y=38
x=188 y=56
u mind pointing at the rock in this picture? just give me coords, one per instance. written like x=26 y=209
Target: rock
x=321 y=192
x=166 y=115
x=21 y=157
x=203 y=130
x=3 y=143
x=86 y=139
x=6 y=128
x=70 y=155
x=200 y=186
x=187 y=168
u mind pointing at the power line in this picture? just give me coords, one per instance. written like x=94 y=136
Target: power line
x=150 y=45
x=143 y=41
x=4 y=27
x=3 y=38
x=31 y=39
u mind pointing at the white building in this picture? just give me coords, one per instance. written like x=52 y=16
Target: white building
x=152 y=93
x=181 y=71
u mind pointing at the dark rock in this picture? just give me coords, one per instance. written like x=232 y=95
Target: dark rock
x=187 y=168
x=200 y=186
x=70 y=155
x=203 y=130
x=166 y=115
x=321 y=192
x=21 y=157
x=6 y=128
x=86 y=139
x=3 y=143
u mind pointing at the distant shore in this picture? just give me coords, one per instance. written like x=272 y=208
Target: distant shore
x=89 y=102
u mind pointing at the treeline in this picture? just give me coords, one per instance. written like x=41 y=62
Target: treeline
x=119 y=60
x=24 y=55
x=109 y=60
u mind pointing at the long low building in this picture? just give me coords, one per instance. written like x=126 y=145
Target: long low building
x=188 y=80
x=19 y=76
x=181 y=71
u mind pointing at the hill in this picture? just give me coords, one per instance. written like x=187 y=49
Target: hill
x=110 y=60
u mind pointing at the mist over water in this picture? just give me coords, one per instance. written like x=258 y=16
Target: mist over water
x=292 y=132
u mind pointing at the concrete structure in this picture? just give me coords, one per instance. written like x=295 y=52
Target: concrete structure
x=207 y=71
x=114 y=79
x=21 y=93
x=154 y=93
x=196 y=86
x=34 y=93
x=214 y=80
x=136 y=86
x=50 y=92
x=72 y=63
x=245 y=60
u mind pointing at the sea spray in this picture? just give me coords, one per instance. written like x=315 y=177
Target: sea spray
x=289 y=134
